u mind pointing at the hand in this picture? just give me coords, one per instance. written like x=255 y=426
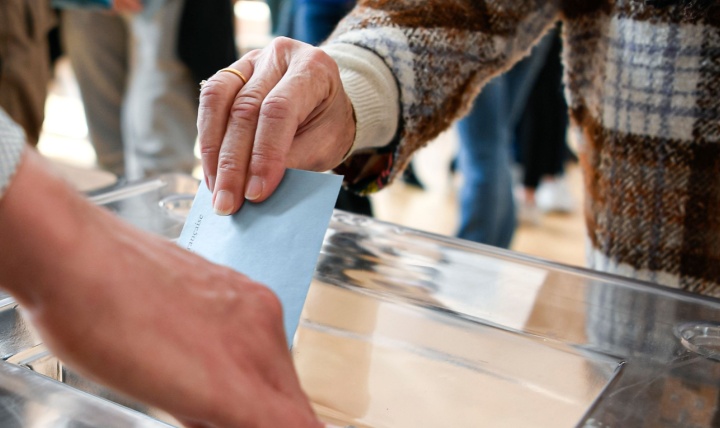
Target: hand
x=291 y=113
x=127 y=6
x=142 y=315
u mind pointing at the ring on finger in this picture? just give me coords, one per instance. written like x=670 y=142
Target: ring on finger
x=235 y=72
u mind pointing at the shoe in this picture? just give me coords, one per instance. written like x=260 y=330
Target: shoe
x=527 y=212
x=554 y=196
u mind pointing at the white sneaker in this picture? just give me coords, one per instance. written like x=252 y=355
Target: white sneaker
x=554 y=196
x=527 y=213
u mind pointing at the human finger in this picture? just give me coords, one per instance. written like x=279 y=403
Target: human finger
x=300 y=100
x=216 y=98
x=239 y=135
x=270 y=67
x=288 y=86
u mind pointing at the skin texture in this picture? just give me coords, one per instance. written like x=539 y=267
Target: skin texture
x=104 y=296
x=292 y=113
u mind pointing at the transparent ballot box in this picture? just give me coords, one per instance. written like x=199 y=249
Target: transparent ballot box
x=406 y=329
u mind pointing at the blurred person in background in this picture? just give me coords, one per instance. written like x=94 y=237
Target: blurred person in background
x=488 y=213
x=541 y=147
x=25 y=68
x=314 y=20
x=138 y=68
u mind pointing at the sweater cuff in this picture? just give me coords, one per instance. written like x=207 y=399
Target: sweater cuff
x=12 y=143
x=372 y=89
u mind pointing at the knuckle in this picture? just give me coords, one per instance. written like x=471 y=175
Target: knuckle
x=227 y=276
x=282 y=43
x=207 y=149
x=268 y=301
x=276 y=107
x=315 y=58
x=253 y=54
x=213 y=90
x=227 y=163
x=246 y=107
x=268 y=156
x=318 y=56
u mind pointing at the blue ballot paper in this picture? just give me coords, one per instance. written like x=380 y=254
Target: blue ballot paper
x=276 y=242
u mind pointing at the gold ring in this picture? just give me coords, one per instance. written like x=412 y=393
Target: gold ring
x=235 y=72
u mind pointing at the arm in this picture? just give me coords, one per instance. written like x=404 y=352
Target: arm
x=294 y=112
x=102 y=294
x=440 y=54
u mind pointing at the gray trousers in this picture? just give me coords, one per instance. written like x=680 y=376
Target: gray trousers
x=140 y=100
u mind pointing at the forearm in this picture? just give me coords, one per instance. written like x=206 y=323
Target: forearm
x=44 y=219
x=440 y=56
x=101 y=293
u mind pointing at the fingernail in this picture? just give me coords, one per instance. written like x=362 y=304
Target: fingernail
x=223 y=203
x=211 y=182
x=254 y=188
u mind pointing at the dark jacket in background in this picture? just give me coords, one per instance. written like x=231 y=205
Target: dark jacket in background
x=206 y=42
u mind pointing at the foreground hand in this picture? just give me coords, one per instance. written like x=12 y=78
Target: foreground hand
x=143 y=316
x=291 y=113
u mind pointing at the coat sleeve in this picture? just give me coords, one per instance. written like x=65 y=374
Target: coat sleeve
x=440 y=53
x=12 y=142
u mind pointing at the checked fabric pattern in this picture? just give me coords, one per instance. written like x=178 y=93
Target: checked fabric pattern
x=652 y=161
x=12 y=142
x=643 y=87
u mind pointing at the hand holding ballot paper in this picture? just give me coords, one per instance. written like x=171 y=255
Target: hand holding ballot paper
x=276 y=108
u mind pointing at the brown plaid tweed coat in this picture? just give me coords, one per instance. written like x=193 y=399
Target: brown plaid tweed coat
x=643 y=86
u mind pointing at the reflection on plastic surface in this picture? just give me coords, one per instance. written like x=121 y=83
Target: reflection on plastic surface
x=701 y=338
x=40 y=360
x=28 y=400
x=406 y=366
x=16 y=334
x=158 y=205
x=403 y=328
x=401 y=331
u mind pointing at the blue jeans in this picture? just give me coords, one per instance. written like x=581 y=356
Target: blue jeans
x=314 y=20
x=487 y=208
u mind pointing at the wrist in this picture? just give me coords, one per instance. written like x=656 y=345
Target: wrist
x=372 y=91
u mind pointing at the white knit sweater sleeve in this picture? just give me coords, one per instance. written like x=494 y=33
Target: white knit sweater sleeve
x=12 y=142
x=373 y=92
